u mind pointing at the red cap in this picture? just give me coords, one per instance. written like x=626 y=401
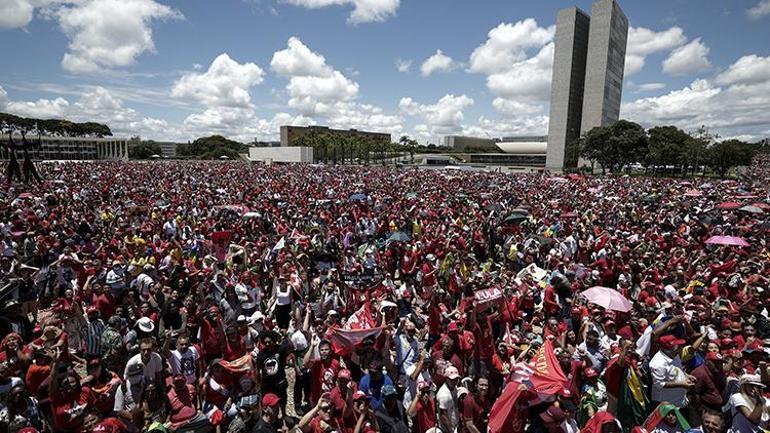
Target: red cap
x=32 y=430
x=358 y=395
x=590 y=372
x=453 y=327
x=714 y=356
x=92 y=309
x=670 y=341
x=344 y=374
x=270 y=400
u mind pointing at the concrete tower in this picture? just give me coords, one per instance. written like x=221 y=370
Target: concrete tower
x=587 y=77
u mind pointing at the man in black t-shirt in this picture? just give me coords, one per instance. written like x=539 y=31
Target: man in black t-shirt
x=271 y=365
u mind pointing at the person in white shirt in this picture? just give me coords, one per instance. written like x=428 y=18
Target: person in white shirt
x=669 y=381
x=447 y=401
x=184 y=360
x=152 y=362
x=750 y=410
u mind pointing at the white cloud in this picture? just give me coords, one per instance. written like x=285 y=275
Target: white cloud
x=443 y=117
x=649 y=87
x=438 y=62
x=642 y=42
x=3 y=98
x=15 y=13
x=688 y=59
x=403 y=65
x=226 y=83
x=364 y=11
x=314 y=87
x=325 y=95
x=96 y=104
x=736 y=102
x=298 y=59
x=527 y=80
x=514 y=108
x=42 y=108
x=749 y=69
x=759 y=10
x=507 y=44
x=521 y=125
x=109 y=33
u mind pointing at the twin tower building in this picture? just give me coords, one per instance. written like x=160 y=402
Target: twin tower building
x=587 y=83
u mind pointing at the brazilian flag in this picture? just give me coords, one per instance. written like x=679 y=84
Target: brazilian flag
x=633 y=406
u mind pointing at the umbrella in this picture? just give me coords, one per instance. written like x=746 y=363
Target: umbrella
x=154 y=156
x=25 y=195
x=607 y=298
x=693 y=193
x=224 y=157
x=727 y=240
x=761 y=205
x=570 y=215
x=514 y=218
x=520 y=210
x=399 y=237
x=729 y=205
x=411 y=195
x=752 y=209
x=248 y=215
x=357 y=197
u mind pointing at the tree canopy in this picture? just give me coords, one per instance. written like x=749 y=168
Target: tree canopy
x=212 y=147
x=144 y=150
x=664 y=147
x=52 y=127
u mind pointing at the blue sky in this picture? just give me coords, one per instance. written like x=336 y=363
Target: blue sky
x=180 y=69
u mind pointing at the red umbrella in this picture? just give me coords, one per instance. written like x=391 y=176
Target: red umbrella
x=729 y=205
x=762 y=205
x=26 y=195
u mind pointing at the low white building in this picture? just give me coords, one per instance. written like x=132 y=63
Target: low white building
x=68 y=148
x=287 y=154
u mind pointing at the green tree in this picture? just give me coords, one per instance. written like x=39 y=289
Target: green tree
x=594 y=146
x=727 y=154
x=212 y=147
x=144 y=150
x=667 y=146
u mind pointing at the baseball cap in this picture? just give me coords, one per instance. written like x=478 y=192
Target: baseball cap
x=553 y=415
x=389 y=391
x=452 y=372
x=714 y=356
x=669 y=342
x=270 y=400
x=360 y=395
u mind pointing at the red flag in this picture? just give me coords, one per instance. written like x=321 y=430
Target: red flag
x=344 y=340
x=542 y=372
x=509 y=414
x=362 y=318
x=241 y=365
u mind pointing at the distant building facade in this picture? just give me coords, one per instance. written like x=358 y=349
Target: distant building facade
x=168 y=148
x=284 y=154
x=587 y=77
x=291 y=134
x=460 y=142
x=69 y=148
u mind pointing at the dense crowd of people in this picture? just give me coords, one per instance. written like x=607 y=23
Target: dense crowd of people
x=233 y=297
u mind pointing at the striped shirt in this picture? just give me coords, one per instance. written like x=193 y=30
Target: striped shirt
x=92 y=336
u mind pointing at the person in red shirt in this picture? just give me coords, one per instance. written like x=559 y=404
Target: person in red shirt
x=338 y=396
x=323 y=371
x=69 y=400
x=475 y=407
x=422 y=410
x=443 y=359
x=362 y=416
x=234 y=347
x=183 y=401
x=319 y=419
x=16 y=353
